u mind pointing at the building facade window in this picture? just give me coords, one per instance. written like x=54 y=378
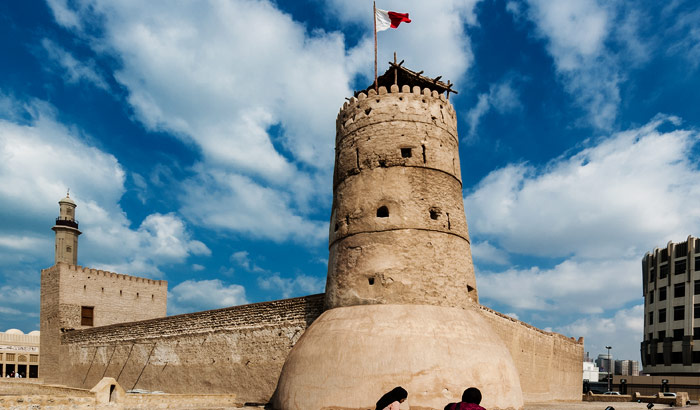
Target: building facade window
x=677 y=335
x=662 y=293
x=651 y=297
x=662 y=335
x=697 y=287
x=662 y=315
x=679 y=290
x=680 y=267
x=696 y=310
x=696 y=333
x=663 y=271
x=678 y=312
x=651 y=318
x=652 y=274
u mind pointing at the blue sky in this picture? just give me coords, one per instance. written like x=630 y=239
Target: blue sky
x=197 y=139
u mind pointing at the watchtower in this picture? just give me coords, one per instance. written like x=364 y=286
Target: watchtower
x=401 y=295
x=398 y=233
x=66 y=228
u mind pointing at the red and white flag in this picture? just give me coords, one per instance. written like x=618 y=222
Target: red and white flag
x=389 y=19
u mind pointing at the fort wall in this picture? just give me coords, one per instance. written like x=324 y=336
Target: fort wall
x=109 y=297
x=238 y=350
x=549 y=364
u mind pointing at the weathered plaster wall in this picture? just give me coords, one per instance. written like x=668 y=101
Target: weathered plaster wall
x=549 y=364
x=238 y=350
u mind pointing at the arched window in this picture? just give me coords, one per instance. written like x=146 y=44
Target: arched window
x=382 y=212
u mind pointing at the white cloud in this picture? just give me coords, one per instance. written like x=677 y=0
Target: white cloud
x=435 y=41
x=485 y=252
x=627 y=192
x=237 y=203
x=594 y=213
x=75 y=71
x=39 y=159
x=576 y=32
x=501 y=96
x=288 y=287
x=194 y=296
x=571 y=286
x=260 y=112
x=624 y=331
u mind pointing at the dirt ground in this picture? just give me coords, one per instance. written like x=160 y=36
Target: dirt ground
x=597 y=406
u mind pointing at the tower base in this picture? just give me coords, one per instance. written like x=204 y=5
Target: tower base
x=350 y=356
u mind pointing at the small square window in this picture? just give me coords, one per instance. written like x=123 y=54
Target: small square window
x=87 y=315
x=677 y=334
x=679 y=290
x=405 y=153
x=678 y=312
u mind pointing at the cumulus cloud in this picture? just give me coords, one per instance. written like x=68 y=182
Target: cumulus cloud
x=298 y=286
x=591 y=214
x=40 y=159
x=576 y=32
x=193 y=296
x=261 y=113
x=624 y=330
x=436 y=38
x=630 y=188
x=502 y=97
x=74 y=71
x=485 y=253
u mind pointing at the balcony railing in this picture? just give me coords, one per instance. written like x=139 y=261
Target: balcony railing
x=66 y=222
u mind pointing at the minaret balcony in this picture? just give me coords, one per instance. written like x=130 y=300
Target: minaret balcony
x=67 y=222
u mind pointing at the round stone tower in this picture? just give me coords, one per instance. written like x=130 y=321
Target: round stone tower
x=398 y=234
x=401 y=299
x=67 y=232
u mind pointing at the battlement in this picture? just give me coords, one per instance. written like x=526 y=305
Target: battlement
x=405 y=104
x=106 y=274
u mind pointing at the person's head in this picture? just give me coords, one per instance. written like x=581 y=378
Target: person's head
x=471 y=395
x=398 y=393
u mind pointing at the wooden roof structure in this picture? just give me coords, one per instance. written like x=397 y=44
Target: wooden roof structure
x=400 y=75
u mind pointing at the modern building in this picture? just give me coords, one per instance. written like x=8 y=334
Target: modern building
x=19 y=353
x=605 y=363
x=671 y=282
x=590 y=371
x=627 y=367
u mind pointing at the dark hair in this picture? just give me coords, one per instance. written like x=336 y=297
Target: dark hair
x=397 y=394
x=471 y=395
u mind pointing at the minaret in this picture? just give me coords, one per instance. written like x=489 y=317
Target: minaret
x=67 y=232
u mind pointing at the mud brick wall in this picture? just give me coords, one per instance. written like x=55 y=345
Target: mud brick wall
x=549 y=364
x=238 y=350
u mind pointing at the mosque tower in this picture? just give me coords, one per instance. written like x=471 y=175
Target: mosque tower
x=67 y=232
x=401 y=297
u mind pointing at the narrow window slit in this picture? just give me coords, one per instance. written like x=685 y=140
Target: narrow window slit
x=449 y=225
x=357 y=157
x=368 y=110
x=371 y=281
x=423 y=153
x=337 y=225
x=382 y=212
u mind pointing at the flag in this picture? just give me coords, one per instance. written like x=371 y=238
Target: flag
x=389 y=19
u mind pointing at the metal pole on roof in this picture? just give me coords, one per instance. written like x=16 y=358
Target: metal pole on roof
x=374 y=16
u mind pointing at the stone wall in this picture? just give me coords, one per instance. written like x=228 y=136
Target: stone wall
x=549 y=364
x=238 y=350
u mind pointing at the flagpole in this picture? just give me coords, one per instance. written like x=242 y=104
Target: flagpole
x=374 y=17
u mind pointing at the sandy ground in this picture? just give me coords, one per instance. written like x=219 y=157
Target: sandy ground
x=597 y=406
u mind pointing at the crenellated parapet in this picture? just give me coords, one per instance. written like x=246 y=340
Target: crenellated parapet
x=365 y=136
x=89 y=273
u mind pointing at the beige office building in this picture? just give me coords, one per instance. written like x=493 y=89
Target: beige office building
x=671 y=283
x=19 y=353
